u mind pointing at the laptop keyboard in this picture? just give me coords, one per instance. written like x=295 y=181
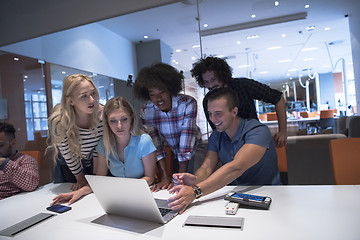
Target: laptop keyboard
x=164 y=211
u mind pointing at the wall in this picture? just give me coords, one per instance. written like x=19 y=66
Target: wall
x=326 y=82
x=354 y=21
x=90 y=48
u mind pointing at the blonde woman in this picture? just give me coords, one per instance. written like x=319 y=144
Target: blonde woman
x=124 y=150
x=75 y=128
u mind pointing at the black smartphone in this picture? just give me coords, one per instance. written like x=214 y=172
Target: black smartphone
x=59 y=208
x=249 y=200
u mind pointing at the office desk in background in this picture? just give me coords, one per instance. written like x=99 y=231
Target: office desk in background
x=296 y=212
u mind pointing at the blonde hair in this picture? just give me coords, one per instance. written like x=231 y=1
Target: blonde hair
x=108 y=136
x=62 y=119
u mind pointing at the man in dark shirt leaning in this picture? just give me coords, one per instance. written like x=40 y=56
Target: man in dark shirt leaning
x=214 y=73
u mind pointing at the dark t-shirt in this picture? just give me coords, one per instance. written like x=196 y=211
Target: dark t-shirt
x=248 y=90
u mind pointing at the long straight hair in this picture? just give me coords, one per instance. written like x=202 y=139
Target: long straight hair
x=108 y=136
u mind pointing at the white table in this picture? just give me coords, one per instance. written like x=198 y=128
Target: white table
x=296 y=212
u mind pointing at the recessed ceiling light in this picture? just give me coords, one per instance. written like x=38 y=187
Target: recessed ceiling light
x=291 y=78
x=307 y=6
x=284 y=61
x=24 y=80
x=63 y=72
x=253 y=16
x=276 y=3
x=193 y=58
x=25 y=76
x=205 y=25
x=243 y=66
x=146 y=36
x=174 y=61
x=309 y=59
x=327 y=29
x=253 y=36
x=178 y=50
x=283 y=35
x=16 y=59
x=238 y=42
x=274 y=48
x=288 y=75
x=310 y=28
x=308 y=49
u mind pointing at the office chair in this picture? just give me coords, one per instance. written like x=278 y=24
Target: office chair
x=35 y=154
x=308 y=159
x=345 y=159
x=327 y=120
x=354 y=127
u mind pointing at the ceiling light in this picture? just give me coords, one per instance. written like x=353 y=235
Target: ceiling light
x=253 y=24
x=253 y=16
x=101 y=87
x=288 y=75
x=178 y=50
x=327 y=29
x=284 y=61
x=264 y=72
x=16 y=59
x=195 y=46
x=283 y=35
x=63 y=72
x=276 y=3
x=253 y=36
x=238 y=42
x=309 y=59
x=293 y=70
x=310 y=28
x=307 y=6
x=308 y=49
x=274 y=48
x=193 y=58
x=174 y=61
x=24 y=80
x=25 y=76
x=219 y=56
x=146 y=36
x=205 y=25
x=243 y=66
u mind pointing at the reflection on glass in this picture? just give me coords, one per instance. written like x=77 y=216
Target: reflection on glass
x=104 y=84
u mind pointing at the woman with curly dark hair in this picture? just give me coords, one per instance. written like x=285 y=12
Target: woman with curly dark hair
x=168 y=115
x=213 y=73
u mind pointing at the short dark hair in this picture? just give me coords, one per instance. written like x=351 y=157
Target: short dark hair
x=161 y=76
x=8 y=129
x=222 y=70
x=230 y=95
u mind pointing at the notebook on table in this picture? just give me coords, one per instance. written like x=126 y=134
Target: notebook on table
x=128 y=197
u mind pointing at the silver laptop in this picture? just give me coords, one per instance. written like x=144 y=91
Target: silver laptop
x=128 y=197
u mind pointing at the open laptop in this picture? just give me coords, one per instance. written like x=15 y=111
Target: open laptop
x=128 y=197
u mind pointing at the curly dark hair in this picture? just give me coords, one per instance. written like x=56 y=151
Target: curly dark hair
x=161 y=76
x=222 y=70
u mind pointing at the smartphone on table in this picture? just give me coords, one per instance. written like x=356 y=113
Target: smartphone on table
x=249 y=200
x=59 y=208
